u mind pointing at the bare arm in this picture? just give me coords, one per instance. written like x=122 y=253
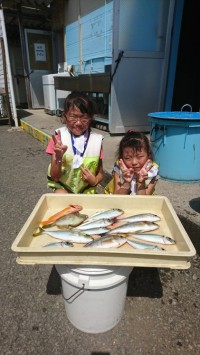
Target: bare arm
x=148 y=190
x=121 y=187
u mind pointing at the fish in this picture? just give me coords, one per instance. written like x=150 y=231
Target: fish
x=107 y=241
x=55 y=217
x=153 y=238
x=142 y=217
x=134 y=227
x=98 y=230
x=59 y=244
x=71 y=220
x=95 y=224
x=68 y=235
x=110 y=213
x=139 y=245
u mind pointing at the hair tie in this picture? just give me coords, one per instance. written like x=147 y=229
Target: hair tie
x=131 y=131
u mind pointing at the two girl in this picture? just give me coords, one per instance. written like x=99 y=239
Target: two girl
x=76 y=156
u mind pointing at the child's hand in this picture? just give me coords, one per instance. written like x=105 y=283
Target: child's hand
x=143 y=173
x=88 y=177
x=59 y=148
x=127 y=173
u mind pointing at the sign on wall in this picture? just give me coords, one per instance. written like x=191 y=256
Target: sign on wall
x=40 y=52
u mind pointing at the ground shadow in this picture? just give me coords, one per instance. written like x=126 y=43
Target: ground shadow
x=195 y=204
x=54 y=283
x=23 y=113
x=144 y=282
x=193 y=231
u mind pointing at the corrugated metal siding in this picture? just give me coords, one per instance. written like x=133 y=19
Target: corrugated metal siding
x=89 y=41
x=72 y=46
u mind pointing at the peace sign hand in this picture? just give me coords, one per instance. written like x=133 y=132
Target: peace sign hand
x=143 y=173
x=127 y=173
x=59 y=148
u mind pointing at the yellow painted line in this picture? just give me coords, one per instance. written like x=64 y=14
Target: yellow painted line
x=35 y=132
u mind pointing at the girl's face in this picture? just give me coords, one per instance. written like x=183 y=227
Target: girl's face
x=135 y=158
x=76 y=121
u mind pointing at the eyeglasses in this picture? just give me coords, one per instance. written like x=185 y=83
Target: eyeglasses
x=83 y=119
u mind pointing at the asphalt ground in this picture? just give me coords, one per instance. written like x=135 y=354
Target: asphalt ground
x=161 y=314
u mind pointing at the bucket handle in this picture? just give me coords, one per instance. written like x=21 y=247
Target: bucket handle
x=81 y=289
x=185 y=106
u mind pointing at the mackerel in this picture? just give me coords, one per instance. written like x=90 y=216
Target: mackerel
x=107 y=241
x=139 y=245
x=95 y=224
x=134 y=227
x=153 y=238
x=58 y=244
x=110 y=213
x=72 y=236
x=97 y=231
x=142 y=217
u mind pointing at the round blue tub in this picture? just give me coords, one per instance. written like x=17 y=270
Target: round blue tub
x=175 y=141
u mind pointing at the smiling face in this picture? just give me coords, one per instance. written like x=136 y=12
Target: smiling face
x=135 y=158
x=76 y=121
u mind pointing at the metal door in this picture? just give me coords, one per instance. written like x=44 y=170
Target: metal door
x=141 y=39
x=40 y=62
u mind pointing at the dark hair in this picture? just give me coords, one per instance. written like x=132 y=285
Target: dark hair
x=81 y=101
x=134 y=140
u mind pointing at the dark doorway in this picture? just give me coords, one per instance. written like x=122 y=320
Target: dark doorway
x=187 y=80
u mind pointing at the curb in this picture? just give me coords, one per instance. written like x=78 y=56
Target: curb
x=42 y=136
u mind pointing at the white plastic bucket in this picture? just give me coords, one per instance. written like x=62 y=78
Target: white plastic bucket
x=94 y=298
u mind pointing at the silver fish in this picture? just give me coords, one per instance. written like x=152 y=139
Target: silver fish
x=139 y=245
x=142 y=217
x=58 y=244
x=110 y=213
x=107 y=241
x=95 y=224
x=72 y=236
x=71 y=220
x=100 y=230
x=134 y=227
x=154 y=238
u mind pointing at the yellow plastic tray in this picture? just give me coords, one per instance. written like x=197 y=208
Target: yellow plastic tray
x=30 y=251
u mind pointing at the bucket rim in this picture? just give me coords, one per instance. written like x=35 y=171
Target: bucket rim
x=90 y=270
x=176 y=115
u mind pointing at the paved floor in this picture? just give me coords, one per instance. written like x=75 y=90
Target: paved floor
x=161 y=310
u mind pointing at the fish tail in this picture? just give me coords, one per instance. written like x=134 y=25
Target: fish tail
x=38 y=231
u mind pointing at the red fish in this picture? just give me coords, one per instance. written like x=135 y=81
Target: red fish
x=69 y=209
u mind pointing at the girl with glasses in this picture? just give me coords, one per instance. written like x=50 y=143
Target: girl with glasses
x=76 y=151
